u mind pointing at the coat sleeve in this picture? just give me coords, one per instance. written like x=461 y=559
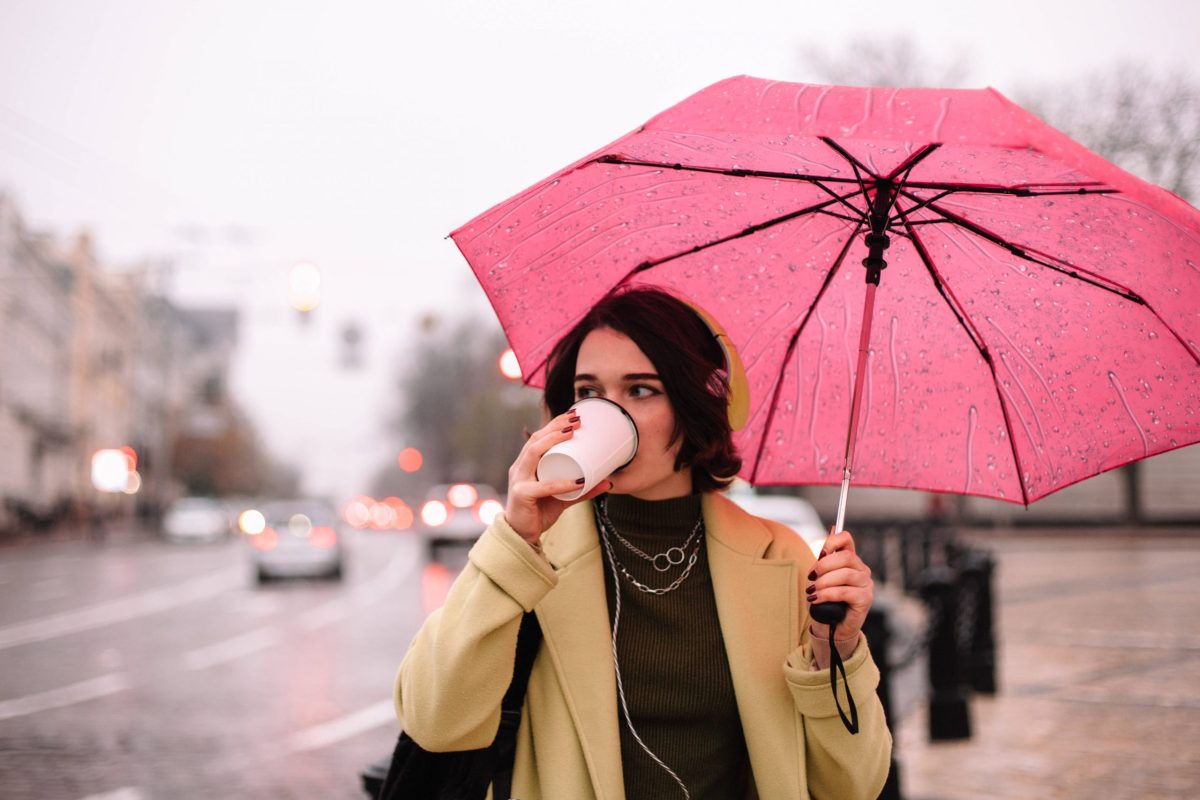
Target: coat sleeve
x=452 y=680
x=841 y=764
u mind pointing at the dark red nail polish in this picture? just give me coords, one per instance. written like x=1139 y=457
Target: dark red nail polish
x=580 y=481
x=812 y=576
x=567 y=429
x=811 y=590
x=573 y=420
x=822 y=554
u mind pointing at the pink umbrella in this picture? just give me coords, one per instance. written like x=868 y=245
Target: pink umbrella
x=1021 y=313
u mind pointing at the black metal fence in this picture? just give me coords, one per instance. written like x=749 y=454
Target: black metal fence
x=954 y=581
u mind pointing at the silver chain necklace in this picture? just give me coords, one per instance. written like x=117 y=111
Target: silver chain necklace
x=605 y=526
x=671 y=557
x=607 y=529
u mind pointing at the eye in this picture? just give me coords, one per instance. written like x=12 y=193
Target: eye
x=586 y=391
x=641 y=391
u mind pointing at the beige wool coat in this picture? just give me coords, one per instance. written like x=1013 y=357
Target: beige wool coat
x=450 y=683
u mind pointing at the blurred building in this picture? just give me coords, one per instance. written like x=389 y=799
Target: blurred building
x=96 y=359
x=102 y=315
x=39 y=470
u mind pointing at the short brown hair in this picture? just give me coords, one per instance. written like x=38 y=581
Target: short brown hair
x=690 y=363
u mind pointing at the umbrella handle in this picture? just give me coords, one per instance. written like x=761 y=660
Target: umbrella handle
x=829 y=613
x=833 y=613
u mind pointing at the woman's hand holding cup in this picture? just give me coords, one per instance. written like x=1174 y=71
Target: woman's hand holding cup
x=532 y=507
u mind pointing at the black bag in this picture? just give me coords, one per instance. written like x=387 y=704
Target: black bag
x=416 y=774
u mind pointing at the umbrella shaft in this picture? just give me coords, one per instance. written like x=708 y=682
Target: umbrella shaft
x=864 y=346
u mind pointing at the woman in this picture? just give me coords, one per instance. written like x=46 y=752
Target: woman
x=705 y=680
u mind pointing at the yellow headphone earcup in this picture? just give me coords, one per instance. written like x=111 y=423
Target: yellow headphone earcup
x=739 y=386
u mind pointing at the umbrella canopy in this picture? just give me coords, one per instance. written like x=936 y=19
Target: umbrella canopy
x=1037 y=321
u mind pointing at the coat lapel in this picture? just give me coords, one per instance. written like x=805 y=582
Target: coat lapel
x=575 y=625
x=758 y=606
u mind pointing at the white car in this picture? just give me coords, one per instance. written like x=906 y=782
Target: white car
x=795 y=512
x=197 y=519
x=454 y=515
x=299 y=538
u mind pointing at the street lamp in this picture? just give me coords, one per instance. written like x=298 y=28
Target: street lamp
x=304 y=287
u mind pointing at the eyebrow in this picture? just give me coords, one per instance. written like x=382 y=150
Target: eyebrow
x=632 y=376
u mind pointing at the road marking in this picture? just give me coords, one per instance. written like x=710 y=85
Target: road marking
x=394 y=573
x=121 y=610
x=64 y=696
x=324 y=614
x=124 y=793
x=229 y=649
x=373 y=716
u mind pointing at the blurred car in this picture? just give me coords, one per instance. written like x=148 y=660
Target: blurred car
x=795 y=512
x=197 y=519
x=455 y=514
x=298 y=538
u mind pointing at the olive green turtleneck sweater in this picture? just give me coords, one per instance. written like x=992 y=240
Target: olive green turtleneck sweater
x=672 y=661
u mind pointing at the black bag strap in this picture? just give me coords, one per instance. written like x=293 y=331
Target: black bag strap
x=529 y=639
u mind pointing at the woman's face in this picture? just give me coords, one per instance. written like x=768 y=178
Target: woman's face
x=610 y=365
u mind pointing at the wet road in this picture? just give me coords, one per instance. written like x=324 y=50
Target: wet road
x=138 y=669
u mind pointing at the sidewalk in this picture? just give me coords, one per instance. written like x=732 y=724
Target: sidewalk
x=1099 y=675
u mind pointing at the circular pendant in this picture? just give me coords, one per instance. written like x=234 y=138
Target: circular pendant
x=671 y=558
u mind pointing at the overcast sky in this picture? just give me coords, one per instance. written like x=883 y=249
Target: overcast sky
x=236 y=138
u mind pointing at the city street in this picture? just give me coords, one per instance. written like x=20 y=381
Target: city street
x=138 y=669
x=135 y=669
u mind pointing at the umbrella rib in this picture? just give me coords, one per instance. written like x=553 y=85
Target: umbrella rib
x=964 y=320
x=1063 y=268
x=787 y=356
x=817 y=180
x=736 y=172
x=1019 y=191
x=755 y=228
x=949 y=190
x=907 y=165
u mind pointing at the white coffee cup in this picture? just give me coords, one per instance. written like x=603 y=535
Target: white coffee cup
x=605 y=441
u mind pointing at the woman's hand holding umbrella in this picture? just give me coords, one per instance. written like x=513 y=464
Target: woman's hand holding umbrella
x=840 y=575
x=532 y=508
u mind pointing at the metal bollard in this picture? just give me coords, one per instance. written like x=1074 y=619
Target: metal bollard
x=978 y=570
x=878 y=632
x=949 y=712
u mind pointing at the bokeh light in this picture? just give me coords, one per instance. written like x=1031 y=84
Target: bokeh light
x=410 y=459
x=435 y=513
x=402 y=515
x=252 y=522
x=304 y=286
x=110 y=470
x=357 y=512
x=462 y=495
x=488 y=511
x=299 y=525
x=509 y=367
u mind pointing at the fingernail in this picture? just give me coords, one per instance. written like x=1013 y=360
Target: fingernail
x=812 y=576
x=567 y=429
x=811 y=590
x=812 y=598
x=822 y=554
x=573 y=420
x=580 y=481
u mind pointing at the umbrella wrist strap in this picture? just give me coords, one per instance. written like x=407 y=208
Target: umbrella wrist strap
x=837 y=665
